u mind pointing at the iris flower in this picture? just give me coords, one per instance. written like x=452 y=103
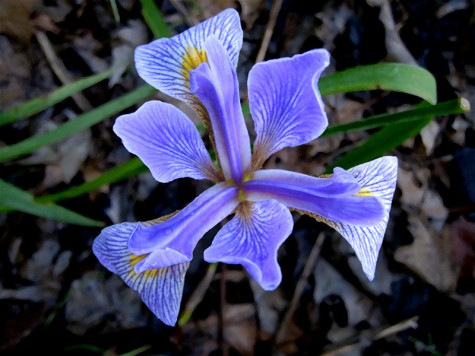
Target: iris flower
x=198 y=67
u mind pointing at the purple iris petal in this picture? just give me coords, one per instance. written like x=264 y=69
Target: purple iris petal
x=166 y=141
x=165 y=63
x=160 y=289
x=252 y=239
x=333 y=199
x=216 y=85
x=377 y=178
x=285 y=102
x=173 y=241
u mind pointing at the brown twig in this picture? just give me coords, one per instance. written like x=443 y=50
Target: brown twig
x=189 y=19
x=367 y=336
x=197 y=295
x=60 y=70
x=222 y=311
x=309 y=265
x=276 y=5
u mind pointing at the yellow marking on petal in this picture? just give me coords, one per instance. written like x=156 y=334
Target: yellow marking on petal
x=364 y=192
x=192 y=58
x=241 y=196
x=134 y=259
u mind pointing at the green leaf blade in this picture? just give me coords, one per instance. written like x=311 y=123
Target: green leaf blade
x=13 y=198
x=154 y=19
x=383 y=76
x=392 y=136
x=446 y=108
x=34 y=106
x=80 y=123
x=126 y=170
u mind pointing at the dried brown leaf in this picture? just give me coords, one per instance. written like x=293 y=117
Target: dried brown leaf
x=15 y=18
x=429 y=256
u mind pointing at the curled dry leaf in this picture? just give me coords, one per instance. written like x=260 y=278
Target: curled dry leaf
x=128 y=37
x=42 y=270
x=429 y=135
x=15 y=18
x=92 y=299
x=429 y=255
x=62 y=160
x=331 y=283
x=334 y=19
x=417 y=197
x=462 y=238
x=269 y=307
x=397 y=50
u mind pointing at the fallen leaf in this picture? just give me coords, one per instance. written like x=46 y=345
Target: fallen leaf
x=462 y=238
x=42 y=269
x=250 y=11
x=269 y=307
x=428 y=135
x=418 y=198
x=92 y=299
x=212 y=7
x=396 y=48
x=330 y=283
x=334 y=19
x=63 y=160
x=412 y=190
x=15 y=18
x=129 y=37
x=429 y=256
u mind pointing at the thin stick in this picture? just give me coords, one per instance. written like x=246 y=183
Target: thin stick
x=222 y=311
x=308 y=268
x=197 y=295
x=365 y=337
x=60 y=70
x=274 y=12
x=189 y=19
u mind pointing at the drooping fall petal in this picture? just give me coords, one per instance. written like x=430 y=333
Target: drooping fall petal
x=252 y=239
x=377 y=179
x=172 y=242
x=160 y=289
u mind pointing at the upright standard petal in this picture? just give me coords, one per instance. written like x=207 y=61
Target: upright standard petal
x=166 y=141
x=216 y=84
x=166 y=63
x=335 y=198
x=377 y=179
x=172 y=242
x=285 y=102
x=160 y=289
x=252 y=239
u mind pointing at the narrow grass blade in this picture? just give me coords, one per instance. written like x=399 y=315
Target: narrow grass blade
x=13 y=198
x=80 y=123
x=36 y=105
x=154 y=19
x=384 y=76
x=115 y=10
x=389 y=138
x=123 y=171
x=445 y=108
